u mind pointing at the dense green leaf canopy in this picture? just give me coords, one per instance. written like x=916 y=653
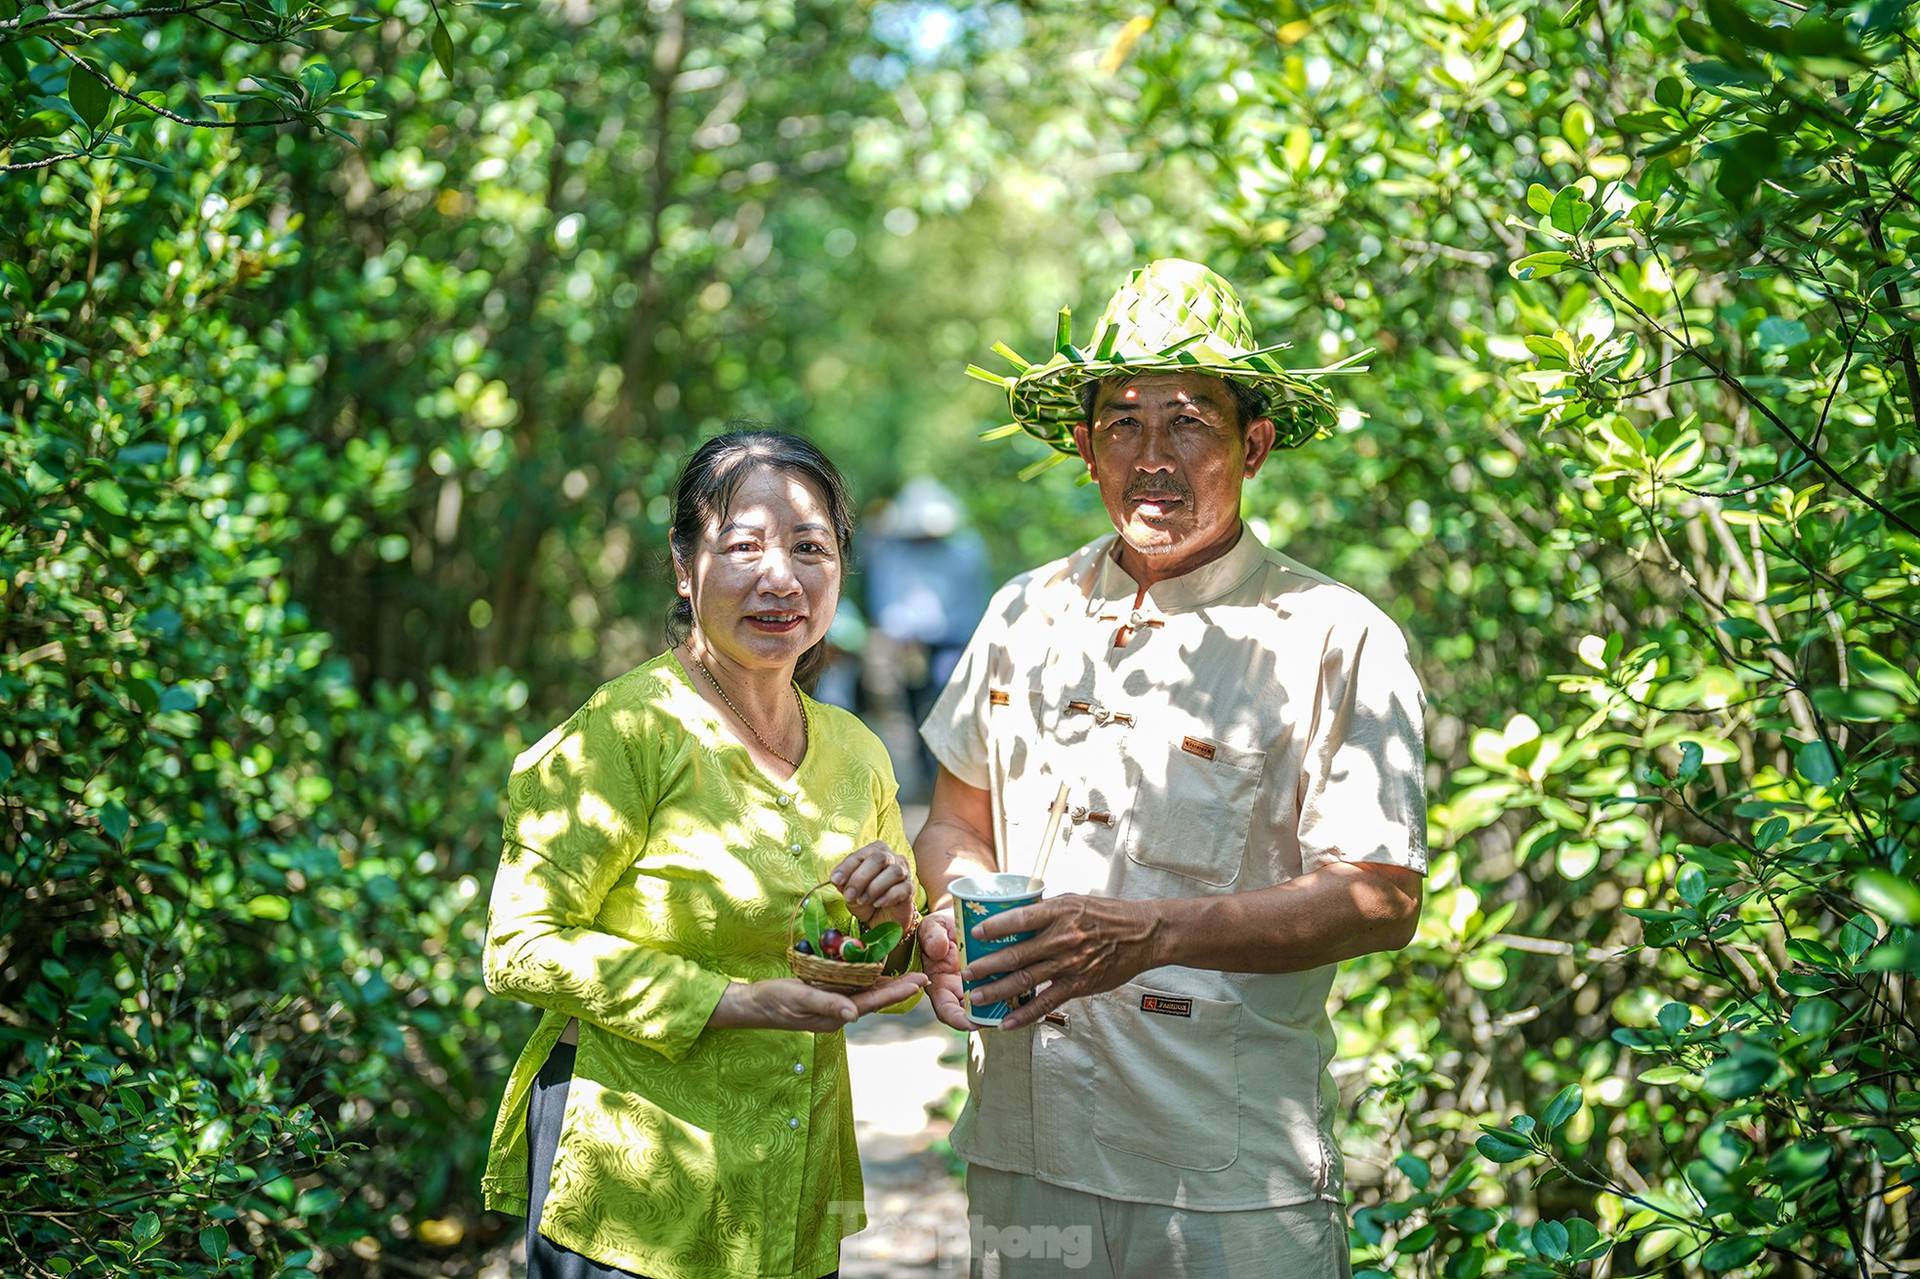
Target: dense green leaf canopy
x=347 y=356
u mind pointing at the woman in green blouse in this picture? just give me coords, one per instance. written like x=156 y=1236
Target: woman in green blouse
x=683 y=1111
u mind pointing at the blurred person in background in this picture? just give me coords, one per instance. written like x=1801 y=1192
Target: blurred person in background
x=927 y=589
x=838 y=683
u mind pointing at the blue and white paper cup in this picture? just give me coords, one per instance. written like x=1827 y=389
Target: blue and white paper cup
x=977 y=898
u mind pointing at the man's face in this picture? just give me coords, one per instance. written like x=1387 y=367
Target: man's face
x=1170 y=455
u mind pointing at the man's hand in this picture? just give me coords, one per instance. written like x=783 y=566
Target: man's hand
x=1082 y=945
x=940 y=960
x=1086 y=945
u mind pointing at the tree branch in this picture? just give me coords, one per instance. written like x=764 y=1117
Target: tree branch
x=138 y=101
x=1740 y=390
x=75 y=16
x=45 y=161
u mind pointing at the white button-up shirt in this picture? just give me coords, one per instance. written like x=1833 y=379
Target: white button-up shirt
x=1254 y=722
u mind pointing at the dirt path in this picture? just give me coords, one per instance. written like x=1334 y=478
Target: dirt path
x=916 y=1210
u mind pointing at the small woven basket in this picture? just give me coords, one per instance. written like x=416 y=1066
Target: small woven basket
x=818 y=970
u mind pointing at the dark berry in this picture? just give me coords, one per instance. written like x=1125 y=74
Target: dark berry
x=831 y=941
x=803 y=946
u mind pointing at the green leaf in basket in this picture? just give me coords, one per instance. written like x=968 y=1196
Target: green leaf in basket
x=813 y=922
x=880 y=940
x=853 y=952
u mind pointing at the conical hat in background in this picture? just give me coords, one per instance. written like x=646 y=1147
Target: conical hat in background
x=924 y=507
x=1171 y=316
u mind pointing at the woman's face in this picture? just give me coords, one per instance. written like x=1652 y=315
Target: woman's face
x=765 y=578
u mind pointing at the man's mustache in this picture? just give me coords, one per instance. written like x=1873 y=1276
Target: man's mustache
x=1163 y=486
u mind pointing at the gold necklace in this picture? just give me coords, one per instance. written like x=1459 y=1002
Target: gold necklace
x=741 y=716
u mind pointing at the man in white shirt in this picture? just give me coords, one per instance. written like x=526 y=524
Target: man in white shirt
x=1240 y=738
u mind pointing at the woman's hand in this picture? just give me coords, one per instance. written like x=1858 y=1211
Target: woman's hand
x=787 y=1003
x=877 y=883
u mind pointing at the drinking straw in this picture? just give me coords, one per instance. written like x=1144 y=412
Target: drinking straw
x=1053 y=828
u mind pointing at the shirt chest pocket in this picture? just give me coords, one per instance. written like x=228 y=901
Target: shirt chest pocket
x=1167 y=1074
x=1192 y=807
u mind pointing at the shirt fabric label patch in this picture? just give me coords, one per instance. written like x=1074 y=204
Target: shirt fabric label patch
x=1194 y=746
x=999 y=697
x=1166 y=1005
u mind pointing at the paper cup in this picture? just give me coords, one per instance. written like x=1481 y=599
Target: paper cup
x=979 y=897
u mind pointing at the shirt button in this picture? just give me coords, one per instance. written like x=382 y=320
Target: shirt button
x=793 y=1123
x=794 y=849
x=799 y=1069
x=783 y=801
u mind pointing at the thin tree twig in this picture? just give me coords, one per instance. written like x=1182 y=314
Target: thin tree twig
x=1740 y=390
x=177 y=118
x=70 y=17
x=45 y=161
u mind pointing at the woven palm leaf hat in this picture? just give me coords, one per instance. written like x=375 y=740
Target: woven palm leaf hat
x=1171 y=316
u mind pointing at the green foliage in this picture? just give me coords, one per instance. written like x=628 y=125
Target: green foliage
x=236 y=888
x=862 y=944
x=334 y=472
x=91 y=1142
x=1757 y=464
x=813 y=921
x=881 y=940
x=85 y=80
